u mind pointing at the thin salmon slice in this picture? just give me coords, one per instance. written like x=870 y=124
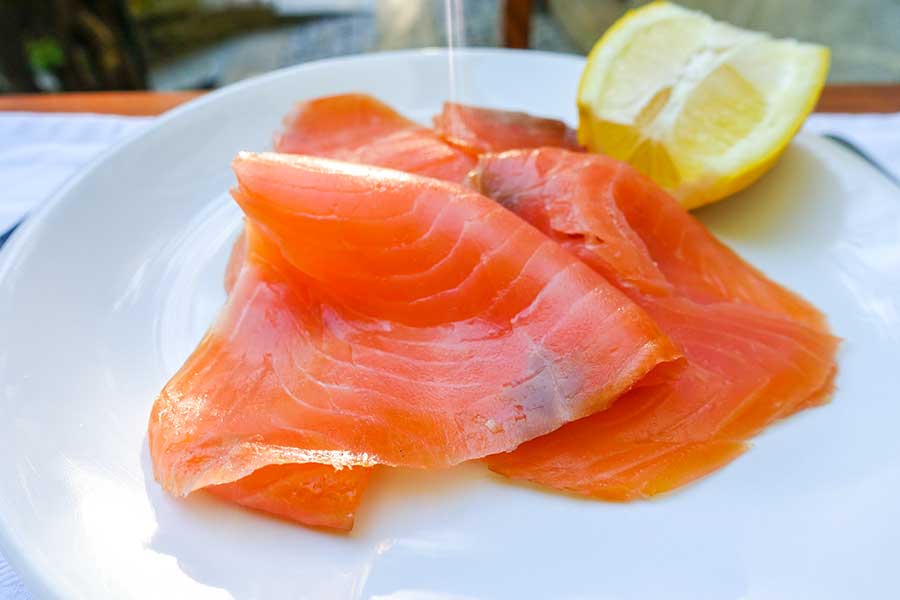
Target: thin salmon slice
x=481 y=130
x=385 y=318
x=310 y=493
x=666 y=247
x=755 y=351
x=358 y=128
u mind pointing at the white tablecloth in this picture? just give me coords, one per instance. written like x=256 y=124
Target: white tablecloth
x=39 y=152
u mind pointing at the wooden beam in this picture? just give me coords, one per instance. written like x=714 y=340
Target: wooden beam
x=859 y=98
x=515 y=23
x=117 y=103
x=850 y=98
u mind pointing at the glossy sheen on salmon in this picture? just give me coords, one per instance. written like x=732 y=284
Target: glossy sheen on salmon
x=358 y=128
x=755 y=351
x=384 y=318
x=481 y=130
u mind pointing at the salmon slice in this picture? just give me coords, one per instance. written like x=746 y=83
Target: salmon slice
x=480 y=130
x=385 y=318
x=666 y=245
x=312 y=494
x=358 y=128
x=755 y=351
x=361 y=129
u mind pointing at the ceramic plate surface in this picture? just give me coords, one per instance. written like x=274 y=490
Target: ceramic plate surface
x=107 y=290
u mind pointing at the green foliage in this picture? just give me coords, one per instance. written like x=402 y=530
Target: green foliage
x=45 y=54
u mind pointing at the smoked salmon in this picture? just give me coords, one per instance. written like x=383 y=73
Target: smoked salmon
x=310 y=493
x=362 y=129
x=313 y=494
x=482 y=130
x=385 y=318
x=755 y=351
x=358 y=128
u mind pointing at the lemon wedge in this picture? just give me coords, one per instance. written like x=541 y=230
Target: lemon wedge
x=702 y=107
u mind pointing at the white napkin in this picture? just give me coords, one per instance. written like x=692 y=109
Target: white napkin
x=38 y=152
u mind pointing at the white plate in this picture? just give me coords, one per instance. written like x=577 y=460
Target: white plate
x=105 y=291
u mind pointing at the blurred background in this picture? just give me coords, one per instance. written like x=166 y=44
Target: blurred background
x=82 y=45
